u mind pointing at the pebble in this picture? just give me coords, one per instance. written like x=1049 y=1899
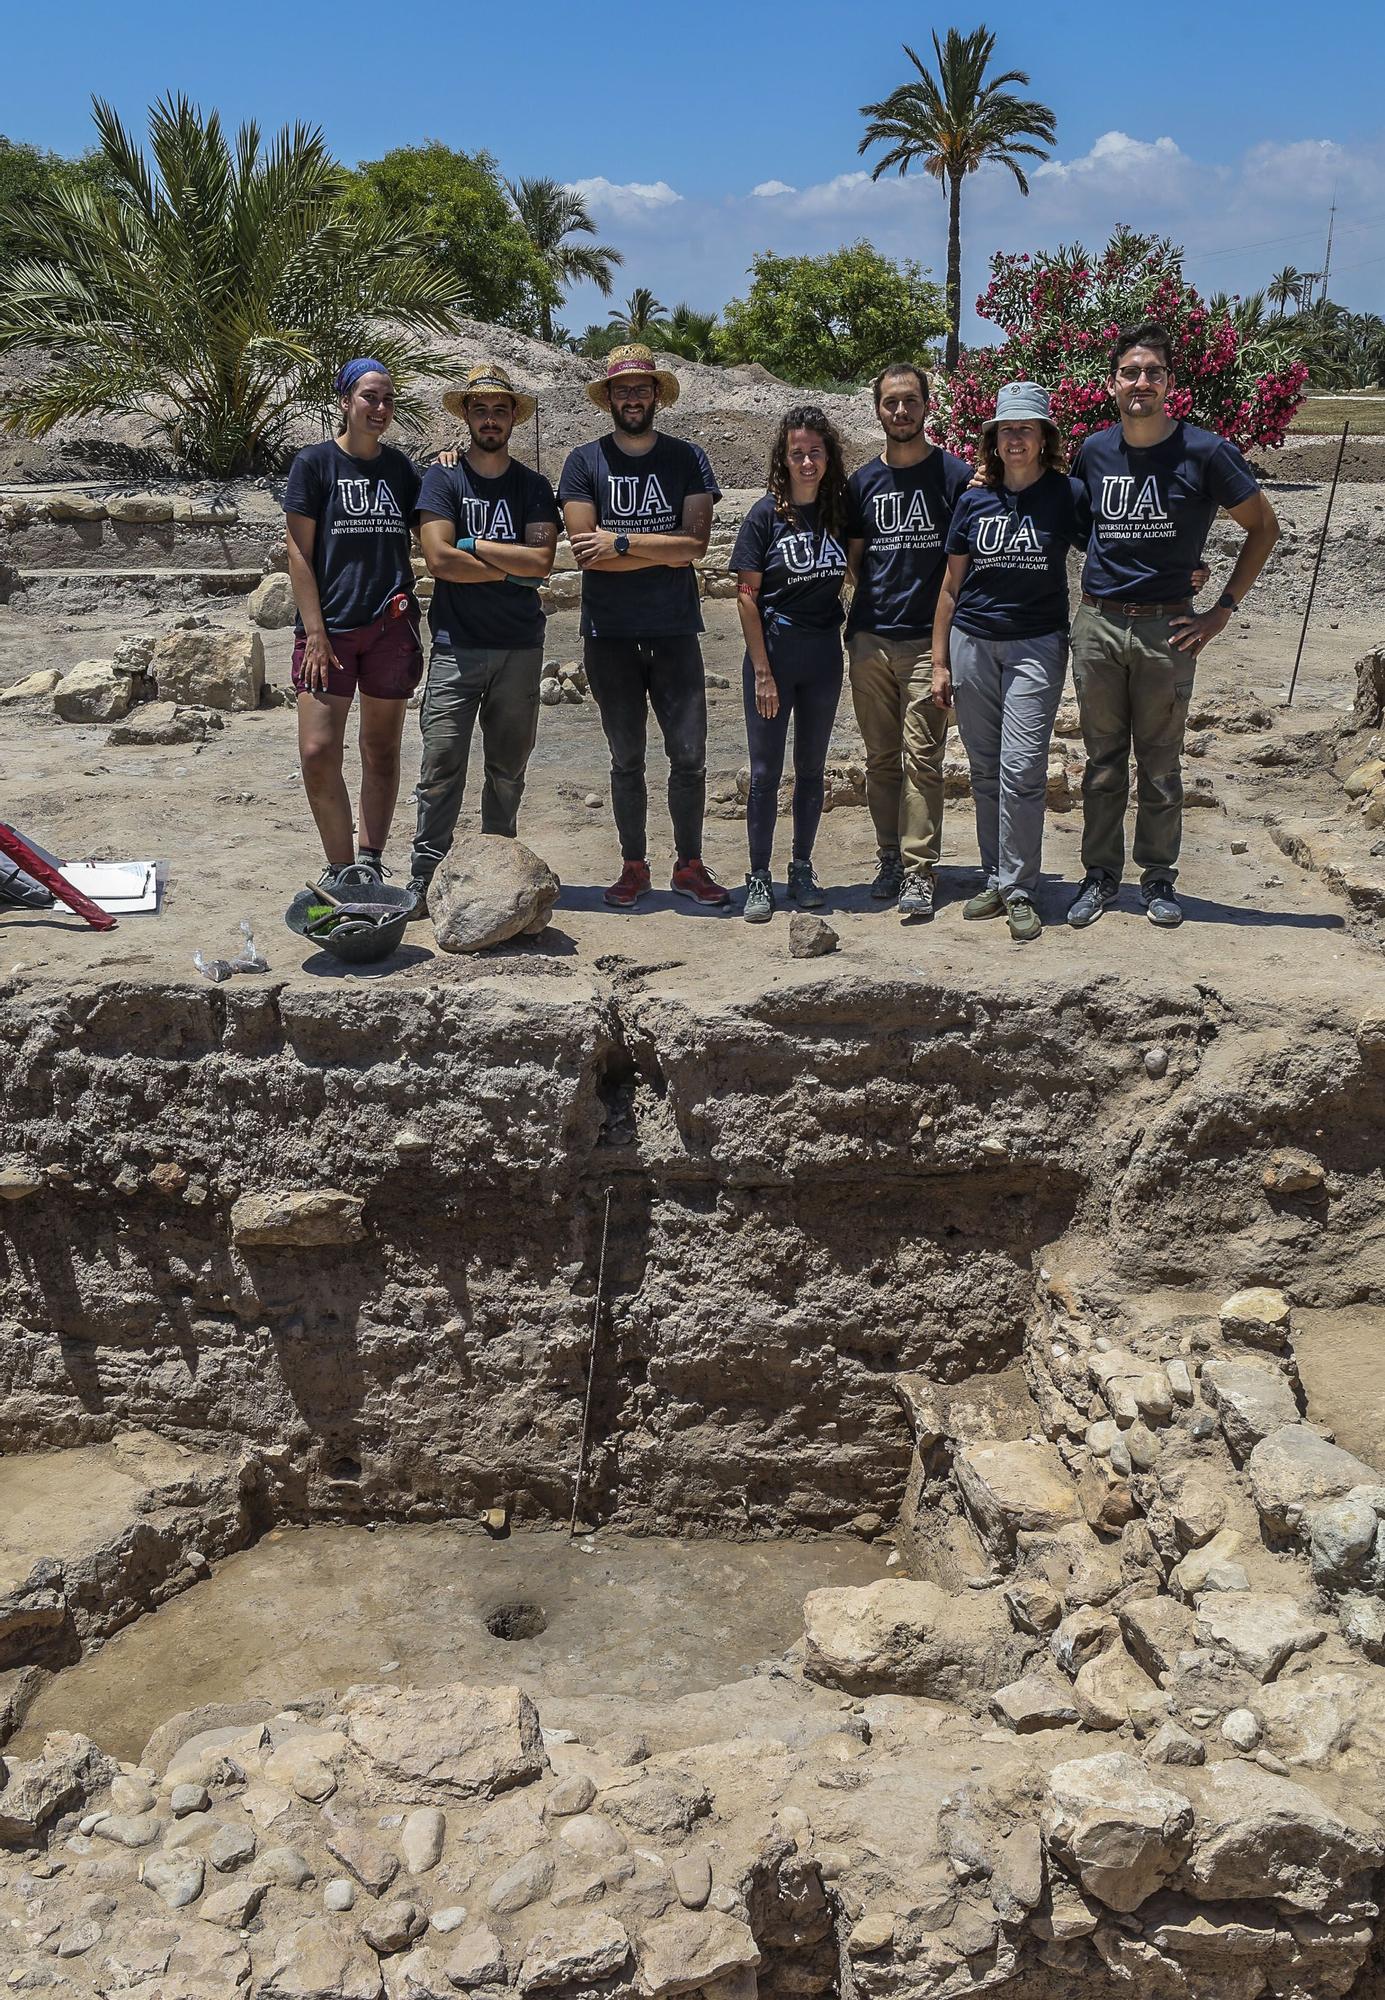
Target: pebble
x=1240 y=846
x=591 y=801
x=572 y=1796
x=1156 y=1061
x=79 y=1939
x=185 y=1799
x=338 y=1894
x=232 y=1846
x=420 y=1841
x=177 y=1878
x=1241 y=1728
x=692 y=1878
x=450 y=1919
x=129 y=1795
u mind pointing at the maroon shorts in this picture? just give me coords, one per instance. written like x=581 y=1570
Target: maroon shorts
x=383 y=659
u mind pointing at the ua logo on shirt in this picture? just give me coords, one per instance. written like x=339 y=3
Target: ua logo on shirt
x=626 y=500
x=803 y=553
x=997 y=532
x=499 y=528
x=891 y=518
x=1121 y=502
x=355 y=498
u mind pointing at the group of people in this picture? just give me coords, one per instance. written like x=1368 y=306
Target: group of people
x=960 y=602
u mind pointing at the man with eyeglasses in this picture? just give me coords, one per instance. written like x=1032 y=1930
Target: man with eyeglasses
x=1153 y=484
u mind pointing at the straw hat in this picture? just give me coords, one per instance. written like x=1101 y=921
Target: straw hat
x=633 y=359
x=1021 y=403
x=488 y=378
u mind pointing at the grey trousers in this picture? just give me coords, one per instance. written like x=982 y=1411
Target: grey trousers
x=1133 y=690
x=465 y=682
x=1006 y=693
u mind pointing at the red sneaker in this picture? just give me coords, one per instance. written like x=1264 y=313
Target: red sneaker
x=633 y=883
x=691 y=879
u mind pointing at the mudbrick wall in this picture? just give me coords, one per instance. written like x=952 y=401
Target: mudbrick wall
x=361 y=1232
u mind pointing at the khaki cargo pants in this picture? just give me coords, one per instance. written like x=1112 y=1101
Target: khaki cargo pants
x=1133 y=689
x=905 y=734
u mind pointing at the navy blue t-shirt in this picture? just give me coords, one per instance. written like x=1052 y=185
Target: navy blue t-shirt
x=1016 y=585
x=501 y=615
x=1152 y=506
x=802 y=566
x=363 y=508
x=903 y=513
x=639 y=494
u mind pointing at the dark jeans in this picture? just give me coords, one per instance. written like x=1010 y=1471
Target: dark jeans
x=627 y=678
x=807 y=666
x=503 y=689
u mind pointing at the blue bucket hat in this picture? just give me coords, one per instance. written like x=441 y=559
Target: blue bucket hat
x=1021 y=403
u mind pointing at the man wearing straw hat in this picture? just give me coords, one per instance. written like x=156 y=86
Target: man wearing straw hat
x=638 y=509
x=489 y=530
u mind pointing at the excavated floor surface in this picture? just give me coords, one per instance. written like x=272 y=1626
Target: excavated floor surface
x=329 y=1607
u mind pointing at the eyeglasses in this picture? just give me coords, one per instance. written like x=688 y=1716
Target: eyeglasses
x=1133 y=375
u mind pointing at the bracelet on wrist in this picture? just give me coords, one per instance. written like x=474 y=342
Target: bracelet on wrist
x=467 y=545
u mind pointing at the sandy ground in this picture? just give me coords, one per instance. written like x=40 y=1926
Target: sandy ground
x=231 y=823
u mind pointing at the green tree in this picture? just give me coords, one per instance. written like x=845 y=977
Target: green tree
x=1284 y=286
x=836 y=319
x=640 y=316
x=215 y=291
x=693 y=335
x=457 y=205
x=550 y=214
x=952 y=123
x=29 y=177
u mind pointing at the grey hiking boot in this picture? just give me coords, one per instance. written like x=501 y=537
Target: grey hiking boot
x=758 y=906
x=804 y=887
x=1097 y=894
x=889 y=876
x=418 y=889
x=1162 y=907
x=1024 y=921
x=916 y=896
x=988 y=902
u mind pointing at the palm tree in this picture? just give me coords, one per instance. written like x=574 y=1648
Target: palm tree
x=952 y=123
x=215 y=293
x=549 y=214
x=1283 y=286
x=640 y=316
x=693 y=335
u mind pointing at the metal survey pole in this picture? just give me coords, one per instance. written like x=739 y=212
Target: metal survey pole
x=1322 y=544
x=538 y=442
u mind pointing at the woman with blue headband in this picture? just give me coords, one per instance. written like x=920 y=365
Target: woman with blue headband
x=350 y=503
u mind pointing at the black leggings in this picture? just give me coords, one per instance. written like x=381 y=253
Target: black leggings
x=807 y=666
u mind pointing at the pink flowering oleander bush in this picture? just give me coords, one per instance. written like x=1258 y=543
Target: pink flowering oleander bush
x=1059 y=314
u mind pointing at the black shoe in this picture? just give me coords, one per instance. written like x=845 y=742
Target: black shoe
x=889 y=879
x=804 y=887
x=418 y=889
x=19 y=891
x=1162 y=907
x=1097 y=894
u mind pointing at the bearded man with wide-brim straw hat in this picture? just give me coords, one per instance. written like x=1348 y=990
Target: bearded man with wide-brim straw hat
x=637 y=505
x=484 y=520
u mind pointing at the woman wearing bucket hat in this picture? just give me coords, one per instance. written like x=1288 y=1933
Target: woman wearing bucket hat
x=1000 y=640
x=637 y=505
x=790 y=565
x=349 y=503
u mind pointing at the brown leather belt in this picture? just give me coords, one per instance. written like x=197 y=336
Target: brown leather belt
x=1113 y=608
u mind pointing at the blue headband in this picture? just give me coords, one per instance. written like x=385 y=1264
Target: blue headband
x=351 y=374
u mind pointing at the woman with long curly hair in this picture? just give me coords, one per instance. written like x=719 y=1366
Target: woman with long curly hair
x=790 y=565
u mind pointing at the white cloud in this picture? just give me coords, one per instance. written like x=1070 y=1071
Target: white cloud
x=626 y=199
x=768 y=188
x=1116 y=156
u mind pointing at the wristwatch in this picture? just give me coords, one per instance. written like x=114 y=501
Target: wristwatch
x=1226 y=602
x=622 y=545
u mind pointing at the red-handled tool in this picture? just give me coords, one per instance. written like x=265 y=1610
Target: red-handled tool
x=34 y=864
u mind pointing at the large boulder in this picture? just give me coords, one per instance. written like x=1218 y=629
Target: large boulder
x=1261 y=1630
x=272 y=602
x=301 y=1218
x=489 y=889
x=1293 y=1468
x=1258 y=1835
x=140 y=509
x=440 y=1744
x=582 y=1952
x=692 y=1949
x=898 y=1637
x=160 y=723
x=1258 y=1317
x=33 y=687
x=67 y=1770
x=74 y=507
x=1116 y=1828
x=92 y=692
x=317 y=1961
x=1011 y=1487
x=209 y=669
x=1252 y=1399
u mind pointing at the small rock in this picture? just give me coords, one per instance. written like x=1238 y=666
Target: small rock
x=421 y=1839
x=873 y=1931
x=581 y=1954
x=372 y=1864
x=1241 y=1728
x=232 y=1848
x=92 y=692
x=393 y=1926
x=339 y=1893
x=186 y=1799
x=1171 y=1745
x=1036 y=1701
x=1156 y=1061
x=130 y=1830
x=1240 y=846
x=177 y=1878
x=550 y=692
x=234 y=1905
x=131 y=1795
x=79 y=1939
x=271 y=603
x=450 y=1919
x=488 y=890
x=477 y=1959
x=572 y=1795
x=297 y=1218
x=1291 y=1171
x=284 y=1865
x=810 y=937
x=1260 y=1317
x=692 y=1878
x=521 y=1884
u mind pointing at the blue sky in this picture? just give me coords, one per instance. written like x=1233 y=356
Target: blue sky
x=701 y=135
